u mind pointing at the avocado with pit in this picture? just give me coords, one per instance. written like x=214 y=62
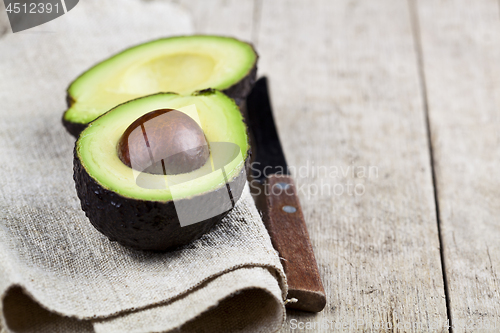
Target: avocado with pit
x=160 y=171
x=178 y=64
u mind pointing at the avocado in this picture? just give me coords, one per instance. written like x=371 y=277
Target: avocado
x=177 y=64
x=156 y=210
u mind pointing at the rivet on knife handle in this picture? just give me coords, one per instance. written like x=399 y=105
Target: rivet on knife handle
x=285 y=223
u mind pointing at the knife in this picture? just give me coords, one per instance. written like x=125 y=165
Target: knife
x=276 y=197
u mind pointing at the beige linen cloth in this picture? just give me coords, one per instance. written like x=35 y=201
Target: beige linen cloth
x=57 y=273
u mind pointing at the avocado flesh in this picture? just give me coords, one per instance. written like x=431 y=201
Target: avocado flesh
x=179 y=64
x=135 y=211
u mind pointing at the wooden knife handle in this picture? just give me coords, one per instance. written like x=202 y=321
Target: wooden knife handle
x=285 y=222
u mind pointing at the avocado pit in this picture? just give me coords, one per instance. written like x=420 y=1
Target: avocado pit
x=165 y=142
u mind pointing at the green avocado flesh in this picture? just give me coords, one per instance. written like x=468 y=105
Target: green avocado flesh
x=220 y=119
x=179 y=64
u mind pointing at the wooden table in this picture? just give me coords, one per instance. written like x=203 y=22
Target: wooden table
x=389 y=111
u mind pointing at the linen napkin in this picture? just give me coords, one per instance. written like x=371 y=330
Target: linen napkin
x=57 y=273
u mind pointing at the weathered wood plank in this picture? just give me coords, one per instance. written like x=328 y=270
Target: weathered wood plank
x=224 y=17
x=344 y=79
x=346 y=93
x=461 y=55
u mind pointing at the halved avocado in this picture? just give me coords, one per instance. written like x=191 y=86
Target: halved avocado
x=155 y=211
x=178 y=64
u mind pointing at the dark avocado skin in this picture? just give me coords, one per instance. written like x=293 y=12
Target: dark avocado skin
x=73 y=128
x=238 y=92
x=145 y=225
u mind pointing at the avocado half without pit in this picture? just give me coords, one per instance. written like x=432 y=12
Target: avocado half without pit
x=178 y=64
x=159 y=171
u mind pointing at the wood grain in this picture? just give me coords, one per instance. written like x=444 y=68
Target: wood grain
x=461 y=57
x=345 y=87
x=285 y=223
x=223 y=17
x=346 y=94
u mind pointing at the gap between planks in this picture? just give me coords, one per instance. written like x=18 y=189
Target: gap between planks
x=415 y=24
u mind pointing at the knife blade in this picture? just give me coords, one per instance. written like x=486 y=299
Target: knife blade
x=276 y=197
